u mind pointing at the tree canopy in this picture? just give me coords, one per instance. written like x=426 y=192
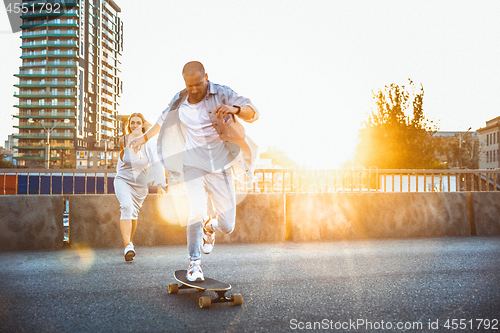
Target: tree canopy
x=397 y=134
x=5 y=163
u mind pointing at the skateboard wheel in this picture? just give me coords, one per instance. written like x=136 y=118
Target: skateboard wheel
x=205 y=302
x=173 y=288
x=236 y=299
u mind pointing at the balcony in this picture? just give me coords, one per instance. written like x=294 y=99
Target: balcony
x=32 y=44
x=37 y=126
x=31 y=156
x=45 y=23
x=46 y=105
x=57 y=115
x=46 y=94
x=43 y=147
x=57 y=11
x=30 y=84
x=38 y=54
x=45 y=74
x=42 y=135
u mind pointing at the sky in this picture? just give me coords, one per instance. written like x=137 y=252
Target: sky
x=310 y=67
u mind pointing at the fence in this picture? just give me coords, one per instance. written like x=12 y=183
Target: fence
x=100 y=181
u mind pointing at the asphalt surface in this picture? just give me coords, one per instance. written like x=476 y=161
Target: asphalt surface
x=379 y=285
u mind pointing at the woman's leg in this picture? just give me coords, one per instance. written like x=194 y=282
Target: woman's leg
x=134 y=227
x=127 y=228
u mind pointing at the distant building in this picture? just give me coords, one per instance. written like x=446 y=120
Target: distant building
x=69 y=81
x=489 y=138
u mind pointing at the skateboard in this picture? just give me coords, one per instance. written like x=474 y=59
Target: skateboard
x=209 y=284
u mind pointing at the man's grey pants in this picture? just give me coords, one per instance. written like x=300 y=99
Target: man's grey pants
x=220 y=187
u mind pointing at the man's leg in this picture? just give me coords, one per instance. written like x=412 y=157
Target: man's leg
x=220 y=186
x=197 y=197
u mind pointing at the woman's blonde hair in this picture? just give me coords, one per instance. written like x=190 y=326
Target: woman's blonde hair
x=145 y=124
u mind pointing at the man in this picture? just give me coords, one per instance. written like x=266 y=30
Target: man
x=201 y=140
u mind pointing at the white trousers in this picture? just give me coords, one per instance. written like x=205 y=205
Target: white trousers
x=200 y=185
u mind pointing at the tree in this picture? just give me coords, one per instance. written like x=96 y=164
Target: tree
x=465 y=155
x=6 y=164
x=390 y=138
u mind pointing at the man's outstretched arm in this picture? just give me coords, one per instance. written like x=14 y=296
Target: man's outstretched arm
x=136 y=144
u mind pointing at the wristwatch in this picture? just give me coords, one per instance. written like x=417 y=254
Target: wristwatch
x=238 y=107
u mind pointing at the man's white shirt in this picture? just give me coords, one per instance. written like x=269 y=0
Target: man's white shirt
x=204 y=148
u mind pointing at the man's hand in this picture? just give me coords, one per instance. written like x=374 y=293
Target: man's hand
x=160 y=191
x=137 y=143
x=223 y=110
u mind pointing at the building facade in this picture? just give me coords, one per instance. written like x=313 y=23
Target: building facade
x=489 y=138
x=69 y=82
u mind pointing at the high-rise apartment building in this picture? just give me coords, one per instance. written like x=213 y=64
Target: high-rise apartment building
x=69 y=82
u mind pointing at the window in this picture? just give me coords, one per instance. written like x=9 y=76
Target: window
x=41 y=102
x=54 y=101
x=54 y=71
x=54 y=91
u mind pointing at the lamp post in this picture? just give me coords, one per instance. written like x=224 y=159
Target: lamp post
x=48 y=131
x=460 y=148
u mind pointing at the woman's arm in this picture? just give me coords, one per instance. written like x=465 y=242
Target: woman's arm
x=136 y=144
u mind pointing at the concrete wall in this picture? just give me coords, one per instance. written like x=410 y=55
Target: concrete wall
x=35 y=222
x=331 y=216
x=94 y=220
x=485 y=213
x=31 y=222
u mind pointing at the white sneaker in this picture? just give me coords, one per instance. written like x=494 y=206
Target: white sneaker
x=208 y=241
x=129 y=252
x=194 y=273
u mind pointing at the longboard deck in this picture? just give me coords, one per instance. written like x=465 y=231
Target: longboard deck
x=208 y=284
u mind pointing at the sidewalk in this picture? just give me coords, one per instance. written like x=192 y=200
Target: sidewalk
x=284 y=286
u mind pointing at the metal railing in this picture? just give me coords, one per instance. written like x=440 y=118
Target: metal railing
x=375 y=180
x=100 y=181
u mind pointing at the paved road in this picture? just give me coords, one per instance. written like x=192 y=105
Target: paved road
x=287 y=287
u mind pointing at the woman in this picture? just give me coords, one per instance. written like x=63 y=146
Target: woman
x=134 y=172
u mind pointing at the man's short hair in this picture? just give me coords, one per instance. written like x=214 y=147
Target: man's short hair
x=193 y=67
